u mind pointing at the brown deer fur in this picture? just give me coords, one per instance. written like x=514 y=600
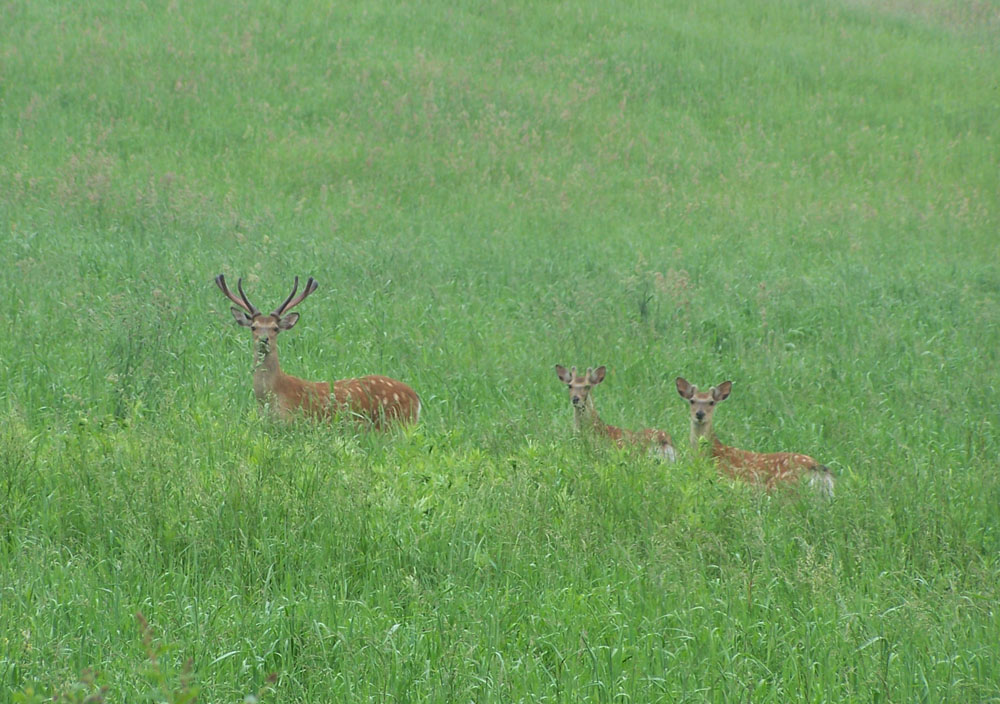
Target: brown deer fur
x=585 y=416
x=766 y=469
x=375 y=400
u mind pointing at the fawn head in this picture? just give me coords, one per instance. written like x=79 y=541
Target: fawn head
x=580 y=386
x=265 y=328
x=702 y=403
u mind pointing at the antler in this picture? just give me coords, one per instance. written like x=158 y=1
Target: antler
x=291 y=302
x=245 y=304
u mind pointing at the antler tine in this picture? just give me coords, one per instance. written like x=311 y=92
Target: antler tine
x=291 y=302
x=251 y=306
x=245 y=304
x=281 y=309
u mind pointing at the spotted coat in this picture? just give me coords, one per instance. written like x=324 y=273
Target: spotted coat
x=585 y=416
x=764 y=469
x=377 y=401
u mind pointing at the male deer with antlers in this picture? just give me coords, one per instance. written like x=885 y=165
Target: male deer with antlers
x=769 y=469
x=585 y=416
x=377 y=400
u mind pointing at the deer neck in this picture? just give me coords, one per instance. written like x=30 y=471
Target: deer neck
x=586 y=418
x=702 y=435
x=266 y=371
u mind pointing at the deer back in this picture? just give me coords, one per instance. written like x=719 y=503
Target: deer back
x=377 y=400
x=769 y=469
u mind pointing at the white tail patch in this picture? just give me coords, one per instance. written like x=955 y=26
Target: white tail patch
x=822 y=481
x=664 y=452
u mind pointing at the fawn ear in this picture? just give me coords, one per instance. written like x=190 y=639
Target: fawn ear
x=597 y=375
x=563 y=374
x=721 y=392
x=685 y=389
x=288 y=322
x=241 y=317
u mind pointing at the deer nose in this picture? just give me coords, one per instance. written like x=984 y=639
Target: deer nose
x=700 y=415
x=575 y=400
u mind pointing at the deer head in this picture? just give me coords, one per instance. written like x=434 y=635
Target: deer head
x=580 y=386
x=265 y=328
x=702 y=404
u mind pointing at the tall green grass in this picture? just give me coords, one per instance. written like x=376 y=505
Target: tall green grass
x=798 y=196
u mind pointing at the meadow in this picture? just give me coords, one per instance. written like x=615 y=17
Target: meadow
x=800 y=196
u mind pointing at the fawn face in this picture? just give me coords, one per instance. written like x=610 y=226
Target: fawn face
x=265 y=328
x=702 y=403
x=580 y=386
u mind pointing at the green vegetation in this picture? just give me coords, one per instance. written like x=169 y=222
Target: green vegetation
x=800 y=196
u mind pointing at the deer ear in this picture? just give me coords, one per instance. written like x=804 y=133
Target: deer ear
x=241 y=317
x=721 y=392
x=563 y=374
x=288 y=322
x=597 y=376
x=685 y=389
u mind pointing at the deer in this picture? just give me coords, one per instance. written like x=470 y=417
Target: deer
x=585 y=418
x=769 y=469
x=374 y=400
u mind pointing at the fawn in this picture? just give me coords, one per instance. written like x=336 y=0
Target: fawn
x=768 y=469
x=585 y=416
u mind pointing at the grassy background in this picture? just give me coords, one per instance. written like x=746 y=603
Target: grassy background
x=800 y=196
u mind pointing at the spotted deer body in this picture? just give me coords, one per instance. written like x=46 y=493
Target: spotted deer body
x=769 y=469
x=586 y=419
x=374 y=400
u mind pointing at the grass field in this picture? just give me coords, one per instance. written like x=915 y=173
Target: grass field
x=800 y=196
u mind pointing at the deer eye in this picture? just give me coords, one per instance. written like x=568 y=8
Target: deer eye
x=692 y=402
x=711 y=403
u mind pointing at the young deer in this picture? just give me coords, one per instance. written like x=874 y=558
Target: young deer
x=585 y=415
x=377 y=400
x=769 y=469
